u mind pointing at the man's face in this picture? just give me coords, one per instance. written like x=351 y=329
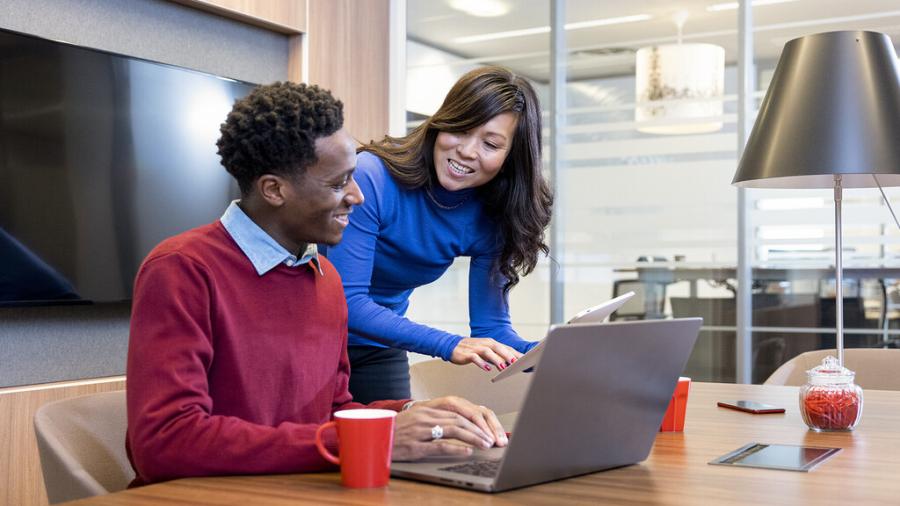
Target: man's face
x=318 y=203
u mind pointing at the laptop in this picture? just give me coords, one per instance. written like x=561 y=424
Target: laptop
x=594 y=314
x=596 y=402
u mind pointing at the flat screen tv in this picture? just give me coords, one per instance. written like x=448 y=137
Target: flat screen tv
x=102 y=156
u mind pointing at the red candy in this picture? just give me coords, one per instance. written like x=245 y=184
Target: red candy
x=828 y=409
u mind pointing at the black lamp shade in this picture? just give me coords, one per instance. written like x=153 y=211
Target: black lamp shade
x=833 y=107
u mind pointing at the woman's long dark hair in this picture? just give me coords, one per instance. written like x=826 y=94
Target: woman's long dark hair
x=518 y=199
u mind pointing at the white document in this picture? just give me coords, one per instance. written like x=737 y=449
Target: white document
x=594 y=314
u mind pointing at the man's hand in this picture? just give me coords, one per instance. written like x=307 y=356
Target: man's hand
x=483 y=351
x=458 y=418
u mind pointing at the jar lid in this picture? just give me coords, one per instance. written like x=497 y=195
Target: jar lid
x=830 y=371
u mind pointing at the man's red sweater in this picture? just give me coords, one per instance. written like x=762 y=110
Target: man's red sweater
x=230 y=372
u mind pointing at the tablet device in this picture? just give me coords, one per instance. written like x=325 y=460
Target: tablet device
x=784 y=457
x=600 y=312
x=594 y=314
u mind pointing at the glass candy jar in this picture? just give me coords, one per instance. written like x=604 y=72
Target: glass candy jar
x=830 y=401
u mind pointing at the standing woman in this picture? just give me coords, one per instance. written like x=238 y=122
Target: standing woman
x=465 y=183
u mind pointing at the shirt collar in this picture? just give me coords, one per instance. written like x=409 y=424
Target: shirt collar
x=263 y=251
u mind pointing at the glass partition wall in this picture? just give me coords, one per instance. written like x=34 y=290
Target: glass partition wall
x=648 y=150
x=792 y=232
x=446 y=39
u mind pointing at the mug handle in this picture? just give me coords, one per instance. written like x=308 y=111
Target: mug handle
x=322 y=450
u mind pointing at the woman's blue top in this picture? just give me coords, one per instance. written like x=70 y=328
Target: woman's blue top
x=400 y=239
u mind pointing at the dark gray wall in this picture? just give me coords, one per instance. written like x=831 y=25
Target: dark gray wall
x=55 y=343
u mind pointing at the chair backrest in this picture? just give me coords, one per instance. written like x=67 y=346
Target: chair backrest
x=875 y=368
x=82 y=446
x=437 y=378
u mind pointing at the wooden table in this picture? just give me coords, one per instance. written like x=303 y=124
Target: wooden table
x=866 y=472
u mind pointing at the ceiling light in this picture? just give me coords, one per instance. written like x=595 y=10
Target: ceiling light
x=546 y=29
x=481 y=8
x=679 y=82
x=734 y=5
x=502 y=35
x=607 y=21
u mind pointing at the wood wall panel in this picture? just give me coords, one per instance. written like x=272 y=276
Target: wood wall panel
x=348 y=54
x=282 y=16
x=21 y=480
x=295 y=58
x=348 y=50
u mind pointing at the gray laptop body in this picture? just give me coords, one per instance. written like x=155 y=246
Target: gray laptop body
x=595 y=402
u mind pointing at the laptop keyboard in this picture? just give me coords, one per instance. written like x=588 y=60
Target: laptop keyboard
x=485 y=468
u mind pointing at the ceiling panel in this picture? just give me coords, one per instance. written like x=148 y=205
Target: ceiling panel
x=608 y=50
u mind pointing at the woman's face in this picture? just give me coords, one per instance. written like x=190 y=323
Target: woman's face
x=472 y=158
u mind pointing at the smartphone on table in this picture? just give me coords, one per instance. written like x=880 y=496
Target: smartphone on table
x=757 y=408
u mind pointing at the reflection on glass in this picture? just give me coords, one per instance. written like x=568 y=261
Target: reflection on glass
x=27 y=277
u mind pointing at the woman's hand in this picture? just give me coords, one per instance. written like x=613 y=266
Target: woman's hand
x=459 y=419
x=483 y=351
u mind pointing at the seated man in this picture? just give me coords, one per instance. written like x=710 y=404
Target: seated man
x=238 y=345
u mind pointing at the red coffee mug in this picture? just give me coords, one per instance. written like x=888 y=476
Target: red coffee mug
x=673 y=421
x=365 y=439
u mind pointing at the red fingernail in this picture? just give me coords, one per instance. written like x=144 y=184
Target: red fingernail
x=513 y=360
x=502 y=367
x=487 y=368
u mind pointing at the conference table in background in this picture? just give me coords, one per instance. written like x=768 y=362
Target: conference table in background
x=661 y=274
x=723 y=276
x=865 y=472
x=792 y=311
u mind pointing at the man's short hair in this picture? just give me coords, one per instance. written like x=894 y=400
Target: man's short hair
x=273 y=130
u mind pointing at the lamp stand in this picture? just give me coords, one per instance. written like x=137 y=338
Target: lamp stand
x=839 y=273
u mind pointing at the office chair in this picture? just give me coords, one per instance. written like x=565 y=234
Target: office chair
x=437 y=378
x=82 y=446
x=713 y=358
x=875 y=368
x=648 y=303
x=768 y=354
x=854 y=318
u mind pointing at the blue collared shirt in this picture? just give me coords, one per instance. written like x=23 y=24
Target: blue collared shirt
x=263 y=251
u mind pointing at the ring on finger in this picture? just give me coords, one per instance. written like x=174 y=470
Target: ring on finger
x=437 y=432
